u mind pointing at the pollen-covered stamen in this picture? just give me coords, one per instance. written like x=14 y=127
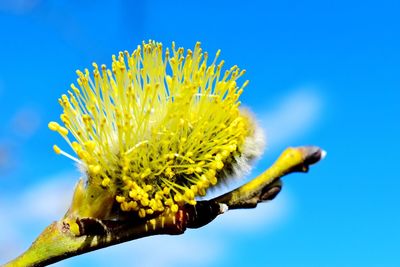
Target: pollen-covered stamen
x=57 y=150
x=157 y=129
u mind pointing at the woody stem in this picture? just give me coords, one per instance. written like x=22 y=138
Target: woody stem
x=57 y=242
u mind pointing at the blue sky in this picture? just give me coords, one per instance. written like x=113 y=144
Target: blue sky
x=321 y=72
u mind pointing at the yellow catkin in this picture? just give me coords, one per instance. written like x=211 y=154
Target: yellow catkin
x=158 y=127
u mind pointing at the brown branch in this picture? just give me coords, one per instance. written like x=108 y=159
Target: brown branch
x=57 y=241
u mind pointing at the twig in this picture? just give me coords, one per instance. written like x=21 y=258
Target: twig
x=57 y=241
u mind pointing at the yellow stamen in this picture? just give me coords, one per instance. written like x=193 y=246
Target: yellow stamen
x=157 y=128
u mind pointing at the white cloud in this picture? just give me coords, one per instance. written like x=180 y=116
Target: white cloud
x=34 y=208
x=292 y=117
x=9 y=236
x=163 y=251
x=49 y=200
